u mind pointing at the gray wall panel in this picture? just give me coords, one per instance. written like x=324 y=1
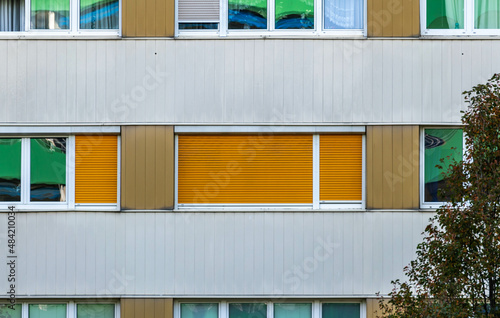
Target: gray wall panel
x=240 y=82
x=210 y=254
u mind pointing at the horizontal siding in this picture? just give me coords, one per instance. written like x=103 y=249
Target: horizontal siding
x=241 y=81
x=211 y=254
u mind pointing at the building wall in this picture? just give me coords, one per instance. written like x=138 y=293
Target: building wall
x=240 y=82
x=205 y=254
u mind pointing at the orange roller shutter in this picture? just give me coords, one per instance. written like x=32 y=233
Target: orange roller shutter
x=247 y=169
x=96 y=169
x=340 y=167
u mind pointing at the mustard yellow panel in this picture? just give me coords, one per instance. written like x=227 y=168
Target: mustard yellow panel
x=245 y=169
x=341 y=167
x=96 y=169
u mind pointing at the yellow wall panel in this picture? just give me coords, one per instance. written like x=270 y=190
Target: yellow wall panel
x=148 y=18
x=245 y=169
x=96 y=169
x=392 y=167
x=146 y=308
x=393 y=18
x=341 y=174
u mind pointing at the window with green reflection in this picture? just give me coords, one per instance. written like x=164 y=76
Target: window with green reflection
x=99 y=14
x=487 y=14
x=199 y=310
x=247 y=14
x=247 y=310
x=10 y=169
x=47 y=311
x=336 y=310
x=48 y=169
x=95 y=310
x=294 y=14
x=292 y=310
x=445 y=14
x=7 y=312
x=50 y=14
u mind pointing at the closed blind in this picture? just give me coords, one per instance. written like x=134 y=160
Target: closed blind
x=341 y=167
x=245 y=169
x=198 y=11
x=96 y=169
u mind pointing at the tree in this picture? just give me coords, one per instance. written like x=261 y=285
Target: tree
x=456 y=272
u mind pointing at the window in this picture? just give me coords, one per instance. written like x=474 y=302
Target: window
x=461 y=17
x=438 y=143
x=59 y=172
x=60 y=310
x=63 y=17
x=271 y=17
x=263 y=309
x=270 y=171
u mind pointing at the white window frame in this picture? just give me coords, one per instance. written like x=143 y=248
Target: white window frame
x=423 y=203
x=468 y=29
x=25 y=134
x=71 y=306
x=271 y=31
x=315 y=132
x=73 y=31
x=316 y=305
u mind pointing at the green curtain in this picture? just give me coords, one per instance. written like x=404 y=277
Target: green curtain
x=10 y=160
x=6 y=312
x=445 y=14
x=249 y=310
x=47 y=311
x=199 y=310
x=292 y=310
x=341 y=311
x=487 y=14
x=48 y=162
x=95 y=311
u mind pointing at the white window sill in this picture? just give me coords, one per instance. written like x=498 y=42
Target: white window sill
x=53 y=207
x=55 y=35
x=299 y=34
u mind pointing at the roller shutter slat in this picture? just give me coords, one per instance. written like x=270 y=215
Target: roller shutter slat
x=198 y=11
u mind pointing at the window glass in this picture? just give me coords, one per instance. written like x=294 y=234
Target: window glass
x=247 y=14
x=47 y=311
x=10 y=169
x=294 y=14
x=251 y=310
x=341 y=311
x=198 y=26
x=95 y=311
x=48 y=169
x=99 y=14
x=50 y=14
x=344 y=14
x=199 y=310
x=487 y=14
x=292 y=310
x=6 y=312
x=11 y=15
x=445 y=14
x=440 y=144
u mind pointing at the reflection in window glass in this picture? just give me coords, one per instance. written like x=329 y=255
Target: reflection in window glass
x=341 y=311
x=440 y=144
x=445 y=14
x=294 y=14
x=247 y=14
x=95 y=310
x=47 y=311
x=50 y=14
x=10 y=170
x=292 y=310
x=6 y=312
x=198 y=26
x=342 y=14
x=487 y=14
x=199 y=310
x=99 y=14
x=48 y=169
x=250 y=310
x=11 y=15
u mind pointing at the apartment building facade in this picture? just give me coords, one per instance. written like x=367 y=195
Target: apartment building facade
x=213 y=158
